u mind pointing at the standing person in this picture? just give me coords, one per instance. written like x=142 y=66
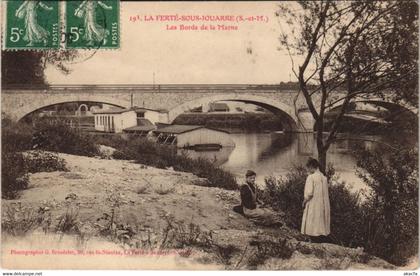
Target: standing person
x=34 y=33
x=93 y=31
x=252 y=206
x=316 y=215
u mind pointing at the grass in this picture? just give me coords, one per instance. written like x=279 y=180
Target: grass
x=180 y=235
x=18 y=220
x=224 y=254
x=269 y=249
x=161 y=190
x=68 y=223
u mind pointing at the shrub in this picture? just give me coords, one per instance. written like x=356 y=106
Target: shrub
x=13 y=174
x=15 y=136
x=346 y=215
x=391 y=213
x=15 y=165
x=385 y=223
x=41 y=161
x=58 y=137
x=17 y=220
x=216 y=176
x=286 y=194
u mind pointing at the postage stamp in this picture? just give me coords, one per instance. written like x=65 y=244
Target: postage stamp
x=32 y=25
x=93 y=24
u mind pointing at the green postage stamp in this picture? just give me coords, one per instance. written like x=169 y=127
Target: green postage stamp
x=93 y=24
x=36 y=24
x=32 y=24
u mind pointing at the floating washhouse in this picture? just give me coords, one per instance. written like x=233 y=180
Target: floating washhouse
x=142 y=129
x=194 y=137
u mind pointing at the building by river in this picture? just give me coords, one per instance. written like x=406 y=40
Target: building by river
x=187 y=136
x=117 y=120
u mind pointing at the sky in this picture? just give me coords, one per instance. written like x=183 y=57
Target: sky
x=151 y=54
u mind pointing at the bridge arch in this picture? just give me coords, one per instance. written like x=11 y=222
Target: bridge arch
x=395 y=111
x=396 y=108
x=19 y=112
x=272 y=105
x=382 y=103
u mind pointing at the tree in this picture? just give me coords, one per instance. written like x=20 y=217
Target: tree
x=351 y=49
x=21 y=68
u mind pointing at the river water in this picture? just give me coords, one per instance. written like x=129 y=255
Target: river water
x=274 y=154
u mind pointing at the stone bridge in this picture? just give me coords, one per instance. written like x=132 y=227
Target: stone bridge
x=171 y=100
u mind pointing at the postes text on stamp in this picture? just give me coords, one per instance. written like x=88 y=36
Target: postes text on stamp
x=32 y=25
x=93 y=24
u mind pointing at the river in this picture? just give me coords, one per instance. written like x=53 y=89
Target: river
x=274 y=154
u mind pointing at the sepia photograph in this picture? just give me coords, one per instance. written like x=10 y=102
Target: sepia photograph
x=209 y=135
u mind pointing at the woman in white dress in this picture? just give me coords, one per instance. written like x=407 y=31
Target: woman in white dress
x=93 y=31
x=316 y=215
x=34 y=33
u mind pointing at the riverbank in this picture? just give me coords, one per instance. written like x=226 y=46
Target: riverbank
x=234 y=122
x=146 y=205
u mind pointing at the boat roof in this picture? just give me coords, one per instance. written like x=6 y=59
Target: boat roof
x=113 y=111
x=143 y=109
x=140 y=128
x=122 y=110
x=178 y=129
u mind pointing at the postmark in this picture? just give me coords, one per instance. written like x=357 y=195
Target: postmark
x=32 y=25
x=93 y=24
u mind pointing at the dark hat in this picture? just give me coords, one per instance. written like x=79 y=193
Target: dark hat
x=250 y=173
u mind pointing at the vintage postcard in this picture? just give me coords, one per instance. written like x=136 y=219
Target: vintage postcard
x=218 y=135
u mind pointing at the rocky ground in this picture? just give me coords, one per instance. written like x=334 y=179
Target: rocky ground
x=107 y=209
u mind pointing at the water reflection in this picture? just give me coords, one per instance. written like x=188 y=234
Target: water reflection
x=276 y=153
